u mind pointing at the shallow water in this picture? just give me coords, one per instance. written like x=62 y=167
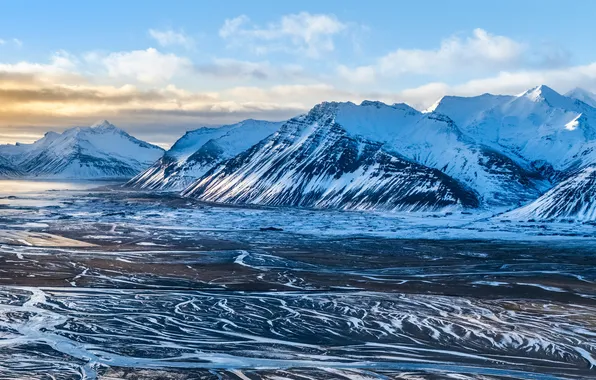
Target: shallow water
x=179 y=290
x=15 y=187
x=87 y=331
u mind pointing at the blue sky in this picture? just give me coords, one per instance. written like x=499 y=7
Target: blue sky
x=159 y=68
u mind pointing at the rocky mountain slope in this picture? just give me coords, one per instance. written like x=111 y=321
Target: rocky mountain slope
x=537 y=148
x=198 y=151
x=7 y=169
x=574 y=198
x=319 y=160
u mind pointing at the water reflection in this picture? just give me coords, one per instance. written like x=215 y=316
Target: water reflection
x=15 y=187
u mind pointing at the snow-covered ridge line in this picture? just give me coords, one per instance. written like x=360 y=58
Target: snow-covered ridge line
x=485 y=151
x=507 y=149
x=198 y=151
x=96 y=152
x=317 y=161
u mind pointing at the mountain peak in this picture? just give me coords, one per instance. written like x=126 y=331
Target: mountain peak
x=582 y=95
x=434 y=106
x=579 y=91
x=103 y=125
x=373 y=103
x=541 y=93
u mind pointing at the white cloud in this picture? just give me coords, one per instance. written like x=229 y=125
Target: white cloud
x=232 y=26
x=481 y=52
x=149 y=66
x=503 y=83
x=15 y=41
x=171 y=37
x=69 y=89
x=223 y=68
x=359 y=75
x=310 y=34
x=61 y=64
x=561 y=79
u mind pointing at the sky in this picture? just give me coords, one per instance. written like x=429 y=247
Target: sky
x=159 y=68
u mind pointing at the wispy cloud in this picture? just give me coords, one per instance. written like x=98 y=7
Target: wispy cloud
x=14 y=41
x=171 y=37
x=482 y=51
x=305 y=33
x=225 y=68
x=148 y=66
x=157 y=87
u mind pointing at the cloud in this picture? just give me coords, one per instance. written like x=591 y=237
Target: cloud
x=480 y=52
x=148 y=66
x=359 y=75
x=232 y=26
x=61 y=68
x=68 y=90
x=503 y=83
x=511 y=82
x=304 y=33
x=171 y=38
x=26 y=102
x=222 y=68
x=14 y=41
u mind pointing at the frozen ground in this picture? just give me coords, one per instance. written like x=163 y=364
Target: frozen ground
x=101 y=283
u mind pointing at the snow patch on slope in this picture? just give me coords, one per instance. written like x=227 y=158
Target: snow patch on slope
x=198 y=151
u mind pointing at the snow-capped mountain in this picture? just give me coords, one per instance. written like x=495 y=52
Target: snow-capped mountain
x=7 y=169
x=97 y=152
x=584 y=95
x=434 y=140
x=198 y=151
x=333 y=157
x=539 y=128
x=574 y=198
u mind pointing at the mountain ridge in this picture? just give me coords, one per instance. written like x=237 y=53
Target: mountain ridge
x=100 y=151
x=483 y=151
x=197 y=151
x=314 y=161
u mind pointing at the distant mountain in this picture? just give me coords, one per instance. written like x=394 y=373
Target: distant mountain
x=539 y=129
x=198 y=151
x=97 y=152
x=583 y=95
x=574 y=198
x=333 y=157
x=7 y=169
